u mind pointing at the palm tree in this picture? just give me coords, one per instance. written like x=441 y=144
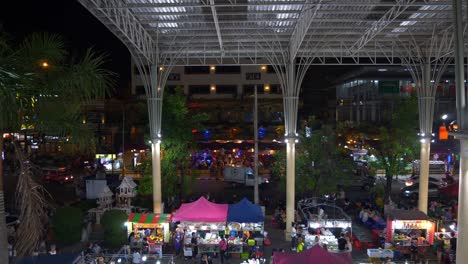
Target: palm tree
x=42 y=88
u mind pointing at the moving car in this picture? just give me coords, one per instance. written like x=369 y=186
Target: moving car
x=415 y=179
x=413 y=191
x=59 y=175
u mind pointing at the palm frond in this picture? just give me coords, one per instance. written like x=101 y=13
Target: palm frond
x=87 y=79
x=31 y=199
x=40 y=47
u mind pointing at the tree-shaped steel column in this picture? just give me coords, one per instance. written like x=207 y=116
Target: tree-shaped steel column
x=154 y=76
x=462 y=133
x=427 y=62
x=290 y=72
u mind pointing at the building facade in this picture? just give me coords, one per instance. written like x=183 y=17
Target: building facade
x=226 y=95
x=366 y=94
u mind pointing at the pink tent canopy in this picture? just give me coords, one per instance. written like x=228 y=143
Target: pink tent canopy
x=201 y=210
x=316 y=255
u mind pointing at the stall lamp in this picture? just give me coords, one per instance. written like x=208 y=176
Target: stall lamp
x=442 y=230
x=158 y=262
x=452 y=227
x=144 y=258
x=119 y=260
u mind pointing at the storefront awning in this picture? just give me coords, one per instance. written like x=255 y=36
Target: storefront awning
x=149 y=218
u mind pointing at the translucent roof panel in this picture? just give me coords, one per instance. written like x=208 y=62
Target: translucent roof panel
x=239 y=28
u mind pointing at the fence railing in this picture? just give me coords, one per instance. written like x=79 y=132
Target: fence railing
x=127 y=258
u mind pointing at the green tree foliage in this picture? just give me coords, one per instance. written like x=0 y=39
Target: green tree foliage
x=398 y=141
x=177 y=142
x=115 y=231
x=42 y=88
x=66 y=224
x=320 y=164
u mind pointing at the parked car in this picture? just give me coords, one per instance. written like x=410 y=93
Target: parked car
x=59 y=175
x=413 y=190
x=450 y=191
x=415 y=179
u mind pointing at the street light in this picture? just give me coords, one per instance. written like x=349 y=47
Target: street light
x=444 y=116
x=44 y=64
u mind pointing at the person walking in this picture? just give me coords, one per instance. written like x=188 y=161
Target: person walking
x=300 y=245
x=293 y=236
x=178 y=239
x=440 y=248
x=194 y=242
x=222 y=249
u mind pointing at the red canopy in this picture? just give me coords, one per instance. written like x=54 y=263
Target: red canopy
x=201 y=210
x=315 y=255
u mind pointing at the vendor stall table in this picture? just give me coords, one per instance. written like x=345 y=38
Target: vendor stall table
x=379 y=253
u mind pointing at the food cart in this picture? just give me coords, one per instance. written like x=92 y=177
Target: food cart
x=155 y=227
x=405 y=227
x=207 y=220
x=329 y=226
x=244 y=216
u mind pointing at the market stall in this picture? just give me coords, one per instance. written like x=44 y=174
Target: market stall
x=409 y=228
x=205 y=219
x=324 y=220
x=244 y=219
x=153 y=228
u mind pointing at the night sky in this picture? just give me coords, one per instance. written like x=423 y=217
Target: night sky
x=82 y=30
x=79 y=28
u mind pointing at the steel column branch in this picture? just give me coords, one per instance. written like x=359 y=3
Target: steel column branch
x=123 y=24
x=306 y=17
x=216 y=22
x=392 y=14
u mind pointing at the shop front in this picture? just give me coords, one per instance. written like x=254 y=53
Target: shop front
x=407 y=230
x=152 y=229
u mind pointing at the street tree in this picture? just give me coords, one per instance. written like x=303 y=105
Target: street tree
x=397 y=142
x=321 y=164
x=177 y=142
x=42 y=88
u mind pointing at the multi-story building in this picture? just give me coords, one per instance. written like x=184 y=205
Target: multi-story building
x=225 y=93
x=365 y=94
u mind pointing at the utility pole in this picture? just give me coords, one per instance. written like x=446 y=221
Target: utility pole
x=123 y=141
x=256 y=199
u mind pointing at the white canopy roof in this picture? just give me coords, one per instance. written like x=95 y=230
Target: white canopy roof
x=230 y=31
